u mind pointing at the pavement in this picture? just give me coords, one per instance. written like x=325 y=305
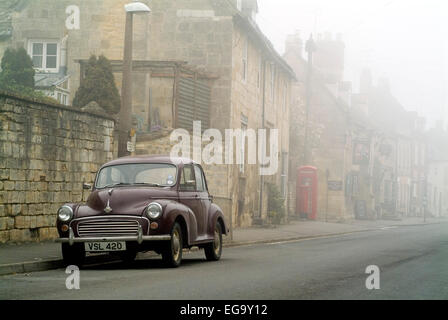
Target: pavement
x=410 y=259
x=30 y=257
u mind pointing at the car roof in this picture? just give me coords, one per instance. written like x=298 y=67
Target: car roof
x=150 y=159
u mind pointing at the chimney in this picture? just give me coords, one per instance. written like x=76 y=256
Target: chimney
x=250 y=8
x=294 y=44
x=365 y=81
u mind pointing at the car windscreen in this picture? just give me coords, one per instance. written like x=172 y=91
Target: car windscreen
x=137 y=174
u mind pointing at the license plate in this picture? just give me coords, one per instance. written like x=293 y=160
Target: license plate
x=105 y=246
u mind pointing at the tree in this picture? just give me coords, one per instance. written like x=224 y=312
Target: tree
x=17 y=70
x=276 y=206
x=99 y=86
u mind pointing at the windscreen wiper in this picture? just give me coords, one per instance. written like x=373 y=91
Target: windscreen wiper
x=148 y=184
x=116 y=184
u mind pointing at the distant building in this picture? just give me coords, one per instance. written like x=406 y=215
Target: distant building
x=329 y=138
x=437 y=183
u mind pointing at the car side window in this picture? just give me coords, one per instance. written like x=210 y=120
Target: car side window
x=199 y=179
x=188 y=181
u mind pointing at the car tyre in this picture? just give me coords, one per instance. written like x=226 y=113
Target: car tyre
x=213 y=250
x=172 y=253
x=73 y=254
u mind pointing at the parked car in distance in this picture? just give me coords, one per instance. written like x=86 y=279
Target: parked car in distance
x=143 y=203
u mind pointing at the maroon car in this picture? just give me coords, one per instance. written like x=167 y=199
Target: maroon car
x=144 y=203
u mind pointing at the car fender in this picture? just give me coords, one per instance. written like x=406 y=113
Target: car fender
x=172 y=210
x=215 y=213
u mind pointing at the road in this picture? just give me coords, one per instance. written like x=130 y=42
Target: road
x=413 y=262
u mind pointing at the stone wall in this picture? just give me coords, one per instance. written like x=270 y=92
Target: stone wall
x=46 y=153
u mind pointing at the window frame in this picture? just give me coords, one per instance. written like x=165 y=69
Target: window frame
x=182 y=175
x=45 y=43
x=204 y=183
x=245 y=60
x=273 y=75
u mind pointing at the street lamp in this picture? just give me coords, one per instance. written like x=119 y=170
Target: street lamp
x=310 y=48
x=125 y=116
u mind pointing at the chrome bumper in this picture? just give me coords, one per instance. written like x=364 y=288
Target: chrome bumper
x=139 y=238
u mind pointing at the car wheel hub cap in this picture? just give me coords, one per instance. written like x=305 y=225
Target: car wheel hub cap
x=217 y=242
x=176 y=245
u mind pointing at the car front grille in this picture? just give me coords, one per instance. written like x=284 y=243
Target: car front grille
x=103 y=228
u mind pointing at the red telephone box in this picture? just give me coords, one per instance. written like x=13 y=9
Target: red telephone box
x=306 y=192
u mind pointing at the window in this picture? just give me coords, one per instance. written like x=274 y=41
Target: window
x=44 y=55
x=199 y=179
x=188 y=182
x=62 y=98
x=244 y=122
x=285 y=97
x=245 y=53
x=260 y=68
x=284 y=174
x=272 y=81
x=137 y=174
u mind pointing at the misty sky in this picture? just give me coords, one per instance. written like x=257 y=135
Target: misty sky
x=403 y=40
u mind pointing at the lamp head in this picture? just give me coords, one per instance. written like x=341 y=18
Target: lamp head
x=137 y=7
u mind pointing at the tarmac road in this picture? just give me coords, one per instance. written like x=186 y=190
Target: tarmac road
x=413 y=263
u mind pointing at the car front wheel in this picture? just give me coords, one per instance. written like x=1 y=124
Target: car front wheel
x=213 y=250
x=73 y=254
x=172 y=254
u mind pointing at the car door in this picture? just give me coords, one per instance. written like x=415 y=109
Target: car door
x=189 y=196
x=204 y=196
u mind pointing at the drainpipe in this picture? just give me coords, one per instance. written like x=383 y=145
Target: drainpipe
x=63 y=65
x=263 y=127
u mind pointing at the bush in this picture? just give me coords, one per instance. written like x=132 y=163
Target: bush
x=17 y=71
x=276 y=206
x=99 y=86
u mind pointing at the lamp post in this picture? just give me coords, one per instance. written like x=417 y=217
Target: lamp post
x=327 y=175
x=310 y=48
x=125 y=115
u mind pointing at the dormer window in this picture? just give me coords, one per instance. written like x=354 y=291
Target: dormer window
x=45 y=55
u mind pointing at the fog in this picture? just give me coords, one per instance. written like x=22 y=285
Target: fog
x=403 y=40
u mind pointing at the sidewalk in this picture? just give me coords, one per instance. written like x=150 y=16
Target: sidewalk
x=29 y=257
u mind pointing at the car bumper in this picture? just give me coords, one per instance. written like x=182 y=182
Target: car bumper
x=140 y=238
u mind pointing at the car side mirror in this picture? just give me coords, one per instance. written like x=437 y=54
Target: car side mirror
x=86 y=186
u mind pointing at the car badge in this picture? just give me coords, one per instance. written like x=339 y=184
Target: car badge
x=108 y=209
x=110 y=191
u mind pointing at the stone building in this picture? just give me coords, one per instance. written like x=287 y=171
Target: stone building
x=201 y=60
x=397 y=172
x=329 y=133
x=250 y=90
x=437 y=181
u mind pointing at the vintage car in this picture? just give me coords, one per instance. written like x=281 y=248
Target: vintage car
x=143 y=203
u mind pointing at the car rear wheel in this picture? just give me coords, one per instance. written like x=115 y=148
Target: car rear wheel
x=73 y=254
x=172 y=254
x=213 y=250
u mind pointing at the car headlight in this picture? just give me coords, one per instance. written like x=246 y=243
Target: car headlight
x=154 y=210
x=65 y=213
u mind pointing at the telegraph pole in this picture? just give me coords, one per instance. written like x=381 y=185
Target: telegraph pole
x=310 y=48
